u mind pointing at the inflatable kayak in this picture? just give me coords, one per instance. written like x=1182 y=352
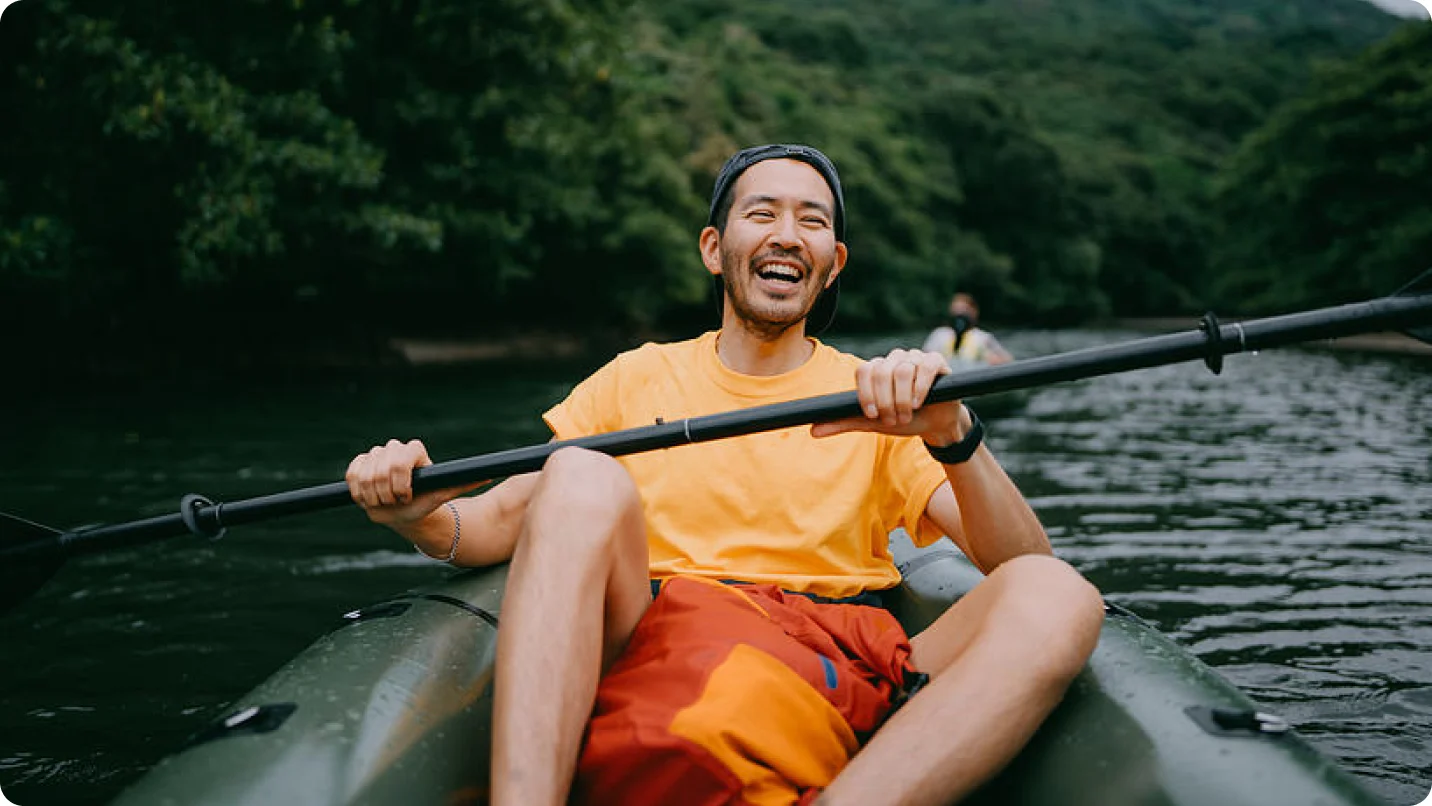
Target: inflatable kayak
x=392 y=707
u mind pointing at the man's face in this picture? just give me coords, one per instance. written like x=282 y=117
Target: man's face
x=779 y=249
x=962 y=308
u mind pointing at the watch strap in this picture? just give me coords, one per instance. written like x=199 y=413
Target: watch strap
x=957 y=452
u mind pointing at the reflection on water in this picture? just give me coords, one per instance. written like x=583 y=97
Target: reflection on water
x=1277 y=519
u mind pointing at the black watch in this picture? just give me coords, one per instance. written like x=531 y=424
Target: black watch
x=957 y=452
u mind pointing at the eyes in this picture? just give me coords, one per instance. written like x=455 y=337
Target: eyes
x=766 y=215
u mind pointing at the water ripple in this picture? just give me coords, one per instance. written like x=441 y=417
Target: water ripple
x=1277 y=520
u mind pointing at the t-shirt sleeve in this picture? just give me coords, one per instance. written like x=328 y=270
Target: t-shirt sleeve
x=915 y=476
x=591 y=407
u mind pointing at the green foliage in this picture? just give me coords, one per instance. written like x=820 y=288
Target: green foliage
x=1017 y=196
x=429 y=165
x=175 y=177
x=1328 y=201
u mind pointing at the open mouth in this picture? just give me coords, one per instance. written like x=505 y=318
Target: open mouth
x=780 y=272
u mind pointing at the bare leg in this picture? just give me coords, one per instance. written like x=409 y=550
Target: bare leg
x=1000 y=660
x=576 y=590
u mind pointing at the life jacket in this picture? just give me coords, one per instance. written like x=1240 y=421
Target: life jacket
x=740 y=694
x=974 y=347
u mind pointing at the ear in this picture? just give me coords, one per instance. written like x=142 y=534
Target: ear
x=710 y=244
x=841 y=254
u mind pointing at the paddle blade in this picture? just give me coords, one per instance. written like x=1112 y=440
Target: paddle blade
x=1421 y=285
x=29 y=555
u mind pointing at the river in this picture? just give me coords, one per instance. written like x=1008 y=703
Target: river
x=1276 y=519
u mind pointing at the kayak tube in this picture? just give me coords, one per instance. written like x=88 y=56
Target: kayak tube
x=393 y=707
x=1145 y=724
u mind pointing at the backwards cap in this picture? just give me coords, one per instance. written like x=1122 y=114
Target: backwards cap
x=823 y=312
x=746 y=157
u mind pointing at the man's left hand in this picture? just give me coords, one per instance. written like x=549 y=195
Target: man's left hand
x=892 y=392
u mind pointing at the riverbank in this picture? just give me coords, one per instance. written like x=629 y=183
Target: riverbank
x=419 y=352
x=1385 y=342
x=197 y=359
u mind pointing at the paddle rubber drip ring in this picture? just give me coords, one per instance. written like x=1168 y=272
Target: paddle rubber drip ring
x=1214 y=333
x=189 y=507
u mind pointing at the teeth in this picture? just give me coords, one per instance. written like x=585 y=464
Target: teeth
x=780 y=273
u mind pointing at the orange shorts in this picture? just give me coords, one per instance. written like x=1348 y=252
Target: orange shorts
x=740 y=694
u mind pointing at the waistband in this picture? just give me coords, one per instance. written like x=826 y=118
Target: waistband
x=868 y=598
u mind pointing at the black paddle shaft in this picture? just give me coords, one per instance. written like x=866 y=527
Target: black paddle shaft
x=1210 y=343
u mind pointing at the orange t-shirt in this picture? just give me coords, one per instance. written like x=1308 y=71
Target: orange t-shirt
x=780 y=507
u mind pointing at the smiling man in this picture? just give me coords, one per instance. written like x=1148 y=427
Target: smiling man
x=702 y=624
x=771 y=282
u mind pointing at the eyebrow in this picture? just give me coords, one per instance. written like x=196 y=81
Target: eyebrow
x=806 y=203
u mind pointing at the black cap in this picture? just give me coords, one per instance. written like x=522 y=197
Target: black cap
x=747 y=157
x=823 y=312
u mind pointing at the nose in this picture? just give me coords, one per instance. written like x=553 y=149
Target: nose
x=784 y=233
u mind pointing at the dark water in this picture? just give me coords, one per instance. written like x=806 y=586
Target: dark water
x=1276 y=519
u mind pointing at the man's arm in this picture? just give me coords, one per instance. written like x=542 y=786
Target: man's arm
x=483 y=529
x=979 y=508
x=491 y=522
x=995 y=353
x=982 y=510
x=478 y=530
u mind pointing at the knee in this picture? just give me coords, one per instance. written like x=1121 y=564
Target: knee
x=1059 y=610
x=589 y=481
x=589 y=488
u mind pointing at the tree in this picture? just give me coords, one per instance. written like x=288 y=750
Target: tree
x=1328 y=201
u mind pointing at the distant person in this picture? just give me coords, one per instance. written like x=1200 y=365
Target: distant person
x=962 y=338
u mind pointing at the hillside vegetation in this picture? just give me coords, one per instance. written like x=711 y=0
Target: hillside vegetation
x=280 y=169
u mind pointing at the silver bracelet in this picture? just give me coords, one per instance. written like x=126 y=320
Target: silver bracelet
x=456 y=537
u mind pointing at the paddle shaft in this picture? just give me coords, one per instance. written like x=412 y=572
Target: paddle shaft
x=1390 y=313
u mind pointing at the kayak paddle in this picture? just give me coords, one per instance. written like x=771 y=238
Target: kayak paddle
x=31 y=553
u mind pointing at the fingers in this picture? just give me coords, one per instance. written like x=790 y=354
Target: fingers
x=865 y=389
x=834 y=427
x=383 y=476
x=877 y=391
x=893 y=387
x=931 y=367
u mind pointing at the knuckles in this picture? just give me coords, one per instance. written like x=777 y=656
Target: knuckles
x=387 y=461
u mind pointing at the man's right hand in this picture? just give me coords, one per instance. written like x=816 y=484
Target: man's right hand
x=381 y=482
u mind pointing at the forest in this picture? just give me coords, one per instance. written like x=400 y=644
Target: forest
x=271 y=173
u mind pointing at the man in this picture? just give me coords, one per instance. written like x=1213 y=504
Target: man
x=807 y=509
x=963 y=339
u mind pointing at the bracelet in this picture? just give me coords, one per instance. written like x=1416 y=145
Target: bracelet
x=957 y=452
x=456 y=537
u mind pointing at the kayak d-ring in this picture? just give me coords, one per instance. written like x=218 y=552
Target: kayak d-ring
x=189 y=509
x=1237 y=722
x=255 y=719
x=1214 y=332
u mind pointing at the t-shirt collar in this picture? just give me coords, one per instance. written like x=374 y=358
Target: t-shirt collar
x=792 y=383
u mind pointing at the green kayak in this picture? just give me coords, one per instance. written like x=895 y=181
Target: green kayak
x=392 y=707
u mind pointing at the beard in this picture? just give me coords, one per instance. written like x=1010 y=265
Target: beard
x=763 y=317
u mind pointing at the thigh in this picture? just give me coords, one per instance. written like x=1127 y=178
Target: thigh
x=1033 y=584
x=938 y=645
x=628 y=593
